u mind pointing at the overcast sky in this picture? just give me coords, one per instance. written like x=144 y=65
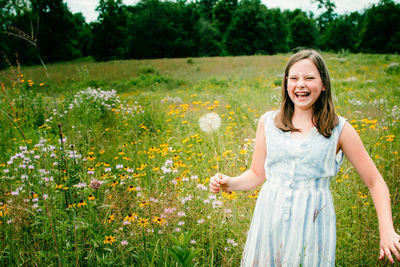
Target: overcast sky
x=87 y=7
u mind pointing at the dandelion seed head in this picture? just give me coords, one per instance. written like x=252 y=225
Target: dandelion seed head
x=210 y=122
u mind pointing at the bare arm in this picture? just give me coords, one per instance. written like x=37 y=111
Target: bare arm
x=352 y=146
x=251 y=178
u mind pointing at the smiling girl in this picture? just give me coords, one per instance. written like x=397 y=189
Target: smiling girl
x=298 y=149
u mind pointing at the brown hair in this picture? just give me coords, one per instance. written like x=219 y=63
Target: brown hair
x=324 y=117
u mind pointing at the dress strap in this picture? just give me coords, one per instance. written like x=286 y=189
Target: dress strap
x=269 y=121
x=336 y=134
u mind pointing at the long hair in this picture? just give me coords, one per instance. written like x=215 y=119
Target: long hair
x=324 y=117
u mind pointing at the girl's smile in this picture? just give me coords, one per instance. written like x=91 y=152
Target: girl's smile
x=304 y=84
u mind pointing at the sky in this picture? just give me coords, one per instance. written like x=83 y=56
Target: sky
x=87 y=7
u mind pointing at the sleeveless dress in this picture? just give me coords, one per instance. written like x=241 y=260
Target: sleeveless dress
x=294 y=222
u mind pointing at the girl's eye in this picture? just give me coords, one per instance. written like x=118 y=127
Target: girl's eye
x=310 y=78
x=293 y=78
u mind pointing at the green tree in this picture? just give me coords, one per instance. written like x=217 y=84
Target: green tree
x=342 y=33
x=380 y=33
x=328 y=15
x=255 y=29
x=205 y=8
x=163 y=29
x=303 y=32
x=109 y=32
x=15 y=18
x=222 y=14
x=57 y=32
x=84 y=34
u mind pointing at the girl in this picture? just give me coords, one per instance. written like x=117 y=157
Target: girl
x=298 y=149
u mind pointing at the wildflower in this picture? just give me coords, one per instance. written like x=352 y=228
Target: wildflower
x=169 y=210
x=200 y=221
x=59 y=186
x=181 y=214
x=110 y=218
x=131 y=188
x=216 y=204
x=80 y=185
x=131 y=217
x=159 y=220
x=229 y=195
x=142 y=222
x=143 y=203
x=232 y=242
x=91 y=197
x=95 y=184
x=81 y=203
x=109 y=240
x=124 y=243
x=202 y=187
x=210 y=122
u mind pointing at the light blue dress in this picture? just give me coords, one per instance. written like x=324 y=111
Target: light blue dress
x=294 y=222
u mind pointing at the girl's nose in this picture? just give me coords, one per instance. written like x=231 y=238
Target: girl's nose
x=300 y=83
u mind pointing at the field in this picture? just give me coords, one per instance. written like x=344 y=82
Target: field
x=105 y=163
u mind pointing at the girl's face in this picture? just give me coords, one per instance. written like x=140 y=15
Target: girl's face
x=304 y=84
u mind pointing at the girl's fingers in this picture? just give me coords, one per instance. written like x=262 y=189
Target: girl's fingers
x=397 y=245
x=389 y=255
x=381 y=254
x=395 y=252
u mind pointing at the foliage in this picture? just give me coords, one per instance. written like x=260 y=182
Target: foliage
x=333 y=37
x=110 y=32
x=159 y=29
x=181 y=251
x=303 y=32
x=254 y=29
x=328 y=15
x=380 y=33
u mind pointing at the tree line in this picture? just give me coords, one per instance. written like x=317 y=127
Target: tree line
x=46 y=29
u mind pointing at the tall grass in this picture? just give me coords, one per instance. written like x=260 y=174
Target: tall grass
x=120 y=177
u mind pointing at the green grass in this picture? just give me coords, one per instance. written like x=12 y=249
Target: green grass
x=129 y=139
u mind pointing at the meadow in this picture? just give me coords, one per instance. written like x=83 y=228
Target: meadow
x=104 y=164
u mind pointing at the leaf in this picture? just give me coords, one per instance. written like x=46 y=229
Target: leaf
x=175 y=255
x=174 y=239
x=190 y=257
x=187 y=238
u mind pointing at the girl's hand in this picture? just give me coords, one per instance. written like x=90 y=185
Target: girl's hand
x=389 y=244
x=220 y=182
